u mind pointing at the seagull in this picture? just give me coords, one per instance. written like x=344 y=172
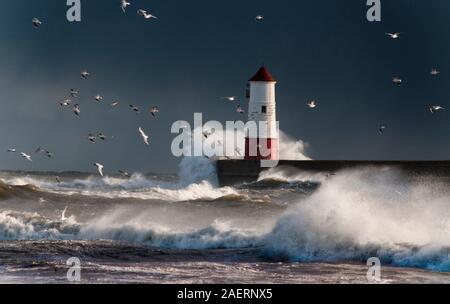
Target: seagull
x=39 y=150
x=240 y=110
x=102 y=136
x=114 y=104
x=134 y=108
x=12 y=150
x=65 y=103
x=144 y=136
x=85 y=74
x=259 y=18
x=49 y=154
x=99 y=168
x=434 y=72
x=398 y=81
x=74 y=93
x=98 y=98
x=92 y=138
x=124 y=4
x=124 y=173
x=36 y=22
x=312 y=104
x=26 y=156
x=394 y=35
x=434 y=109
x=76 y=110
x=146 y=15
x=63 y=215
x=230 y=98
x=154 y=110
x=381 y=129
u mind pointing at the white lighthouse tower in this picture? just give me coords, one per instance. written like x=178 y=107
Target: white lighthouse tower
x=262 y=111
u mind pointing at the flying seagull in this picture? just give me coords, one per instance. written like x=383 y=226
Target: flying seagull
x=102 y=136
x=124 y=4
x=134 y=108
x=434 y=109
x=65 y=103
x=394 y=35
x=98 y=97
x=146 y=15
x=153 y=111
x=381 y=129
x=12 y=150
x=240 y=110
x=259 y=18
x=76 y=110
x=74 y=93
x=434 y=72
x=312 y=104
x=85 y=74
x=99 y=168
x=39 y=150
x=230 y=98
x=36 y=22
x=63 y=215
x=397 y=81
x=144 y=136
x=92 y=138
x=26 y=156
x=114 y=104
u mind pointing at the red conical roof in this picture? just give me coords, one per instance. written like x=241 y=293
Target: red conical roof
x=263 y=74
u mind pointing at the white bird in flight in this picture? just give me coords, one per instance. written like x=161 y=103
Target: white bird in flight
x=146 y=15
x=144 y=136
x=114 y=104
x=98 y=97
x=85 y=74
x=74 y=93
x=124 y=4
x=92 y=138
x=240 y=110
x=63 y=215
x=124 y=173
x=434 y=72
x=230 y=98
x=434 y=109
x=397 y=81
x=36 y=22
x=99 y=168
x=312 y=104
x=102 y=136
x=381 y=129
x=134 y=108
x=259 y=18
x=394 y=35
x=65 y=103
x=26 y=156
x=76 y=110
x=12 y=150
x=153 y=111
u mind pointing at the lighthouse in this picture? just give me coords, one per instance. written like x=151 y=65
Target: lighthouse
x=262 y=145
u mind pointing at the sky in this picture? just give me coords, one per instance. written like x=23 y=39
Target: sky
x=198 y=51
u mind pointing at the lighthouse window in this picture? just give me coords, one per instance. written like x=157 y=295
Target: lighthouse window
x=264 y=109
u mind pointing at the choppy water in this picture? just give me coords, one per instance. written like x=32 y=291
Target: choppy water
x=295 y=228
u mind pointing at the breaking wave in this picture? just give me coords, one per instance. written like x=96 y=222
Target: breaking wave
x=350 y=216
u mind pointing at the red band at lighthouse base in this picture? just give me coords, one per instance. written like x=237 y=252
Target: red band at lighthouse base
x=261 y=149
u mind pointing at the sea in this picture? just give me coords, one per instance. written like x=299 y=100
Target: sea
x=296 y=227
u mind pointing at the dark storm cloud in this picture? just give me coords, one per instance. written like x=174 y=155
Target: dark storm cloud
x=201 y=50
